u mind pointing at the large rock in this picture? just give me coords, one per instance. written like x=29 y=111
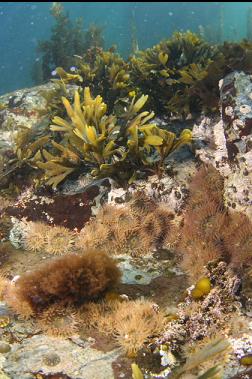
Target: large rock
x=71 y=209
x=50 y=355
x=27 y=108
x=236 y=112
x=226 y=143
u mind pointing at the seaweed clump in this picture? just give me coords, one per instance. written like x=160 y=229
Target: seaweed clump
x=106 y=145
x=67 y=40
x=180 y=74
x=72 y=279
x=171 y=70
x=106 y=73
x=205 y=360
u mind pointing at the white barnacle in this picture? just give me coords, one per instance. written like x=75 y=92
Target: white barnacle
x=220 y=83
x=229 y=111
x=244 y=109
x=238 y=124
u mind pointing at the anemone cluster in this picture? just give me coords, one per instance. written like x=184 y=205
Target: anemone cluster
x=210 y=231
x=137 y=228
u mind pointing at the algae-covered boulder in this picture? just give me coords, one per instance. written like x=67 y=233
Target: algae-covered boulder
x=25 y=108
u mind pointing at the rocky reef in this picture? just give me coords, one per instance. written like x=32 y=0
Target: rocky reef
x=125 y=237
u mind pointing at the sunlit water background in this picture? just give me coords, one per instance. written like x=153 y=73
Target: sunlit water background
x=22 y=25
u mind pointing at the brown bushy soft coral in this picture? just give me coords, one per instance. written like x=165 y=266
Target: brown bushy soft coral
x=19 y=304
x=4 y=253
x=207 y=183
x=209 y=230
x=156 y=226
x=137 y=227
x=70 y=278
x=3 y=284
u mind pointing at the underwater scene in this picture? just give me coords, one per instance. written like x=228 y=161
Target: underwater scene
x=126 y=190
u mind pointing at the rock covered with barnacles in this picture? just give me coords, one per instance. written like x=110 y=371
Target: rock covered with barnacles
x=217 y=316
x=236 y=112
x=197 y=319
x=228 y=147
x=170 y=189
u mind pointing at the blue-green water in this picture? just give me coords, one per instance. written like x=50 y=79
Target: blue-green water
x=22 y=25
